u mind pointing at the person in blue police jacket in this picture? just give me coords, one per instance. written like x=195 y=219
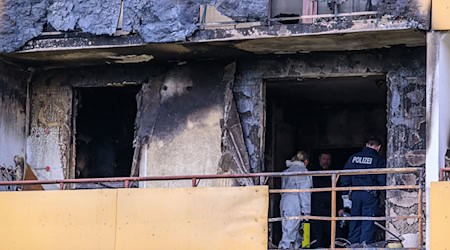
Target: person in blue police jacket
x=364 y=203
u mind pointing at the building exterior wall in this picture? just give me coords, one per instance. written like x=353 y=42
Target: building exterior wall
x=186 y=124
x=181 y=112
x=179 y=128
x=438 y=119
x=13 y=86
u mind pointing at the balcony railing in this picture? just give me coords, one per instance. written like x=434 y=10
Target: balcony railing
x=294 y=11
x=335 y=174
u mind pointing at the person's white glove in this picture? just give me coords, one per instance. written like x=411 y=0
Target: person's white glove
x=346 y=201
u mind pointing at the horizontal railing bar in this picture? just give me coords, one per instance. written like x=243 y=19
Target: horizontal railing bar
x=326 y=218
x=362 y=13
x=364 y=188
x=218 y=176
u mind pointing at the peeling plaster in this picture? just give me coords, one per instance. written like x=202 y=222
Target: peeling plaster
x=416 y=158
x=48 y=143
x=402 y=198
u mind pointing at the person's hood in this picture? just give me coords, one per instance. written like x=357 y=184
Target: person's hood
x=298 y=164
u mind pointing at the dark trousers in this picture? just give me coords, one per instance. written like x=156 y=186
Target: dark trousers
x=363 y=204
x=321 y=231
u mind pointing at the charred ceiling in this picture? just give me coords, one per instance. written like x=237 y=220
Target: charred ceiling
x=86 y=51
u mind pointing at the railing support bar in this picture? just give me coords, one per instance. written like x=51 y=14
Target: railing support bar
x=419 y=207
x=333 y=211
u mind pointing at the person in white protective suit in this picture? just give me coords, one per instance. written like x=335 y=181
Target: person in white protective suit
x=294 y=204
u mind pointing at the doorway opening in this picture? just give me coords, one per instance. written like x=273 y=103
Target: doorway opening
x=105 y=119
x=331 y=115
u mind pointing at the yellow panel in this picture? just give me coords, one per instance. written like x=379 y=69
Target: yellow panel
x=440 y=15
x=78 y=219
x=192 y=218
x=440 y=215
x=306 y=234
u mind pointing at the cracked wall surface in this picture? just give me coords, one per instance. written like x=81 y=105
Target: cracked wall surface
x=157 y=21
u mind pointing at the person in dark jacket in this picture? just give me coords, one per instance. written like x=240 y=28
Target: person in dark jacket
x=364 y=203
x=321 y=204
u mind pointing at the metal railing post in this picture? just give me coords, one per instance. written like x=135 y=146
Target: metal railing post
x=333 y=211
x=419 y=208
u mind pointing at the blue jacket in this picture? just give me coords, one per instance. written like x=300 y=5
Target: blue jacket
x=367 y=158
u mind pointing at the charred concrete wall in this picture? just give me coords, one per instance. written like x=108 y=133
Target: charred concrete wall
x=406 y=144
x=405 y=71
x=157 y=21
x=179 y=128
x=13 y=84
x=183 y=125
x=48 y=143
x=186 y=134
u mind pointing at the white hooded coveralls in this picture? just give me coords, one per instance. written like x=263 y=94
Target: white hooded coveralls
x=294 y=204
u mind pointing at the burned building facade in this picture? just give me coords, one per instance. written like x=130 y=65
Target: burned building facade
x=201 y=87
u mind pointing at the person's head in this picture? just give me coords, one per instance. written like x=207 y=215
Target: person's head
x=325 y=160
x=301 y=156
x=373 y=142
